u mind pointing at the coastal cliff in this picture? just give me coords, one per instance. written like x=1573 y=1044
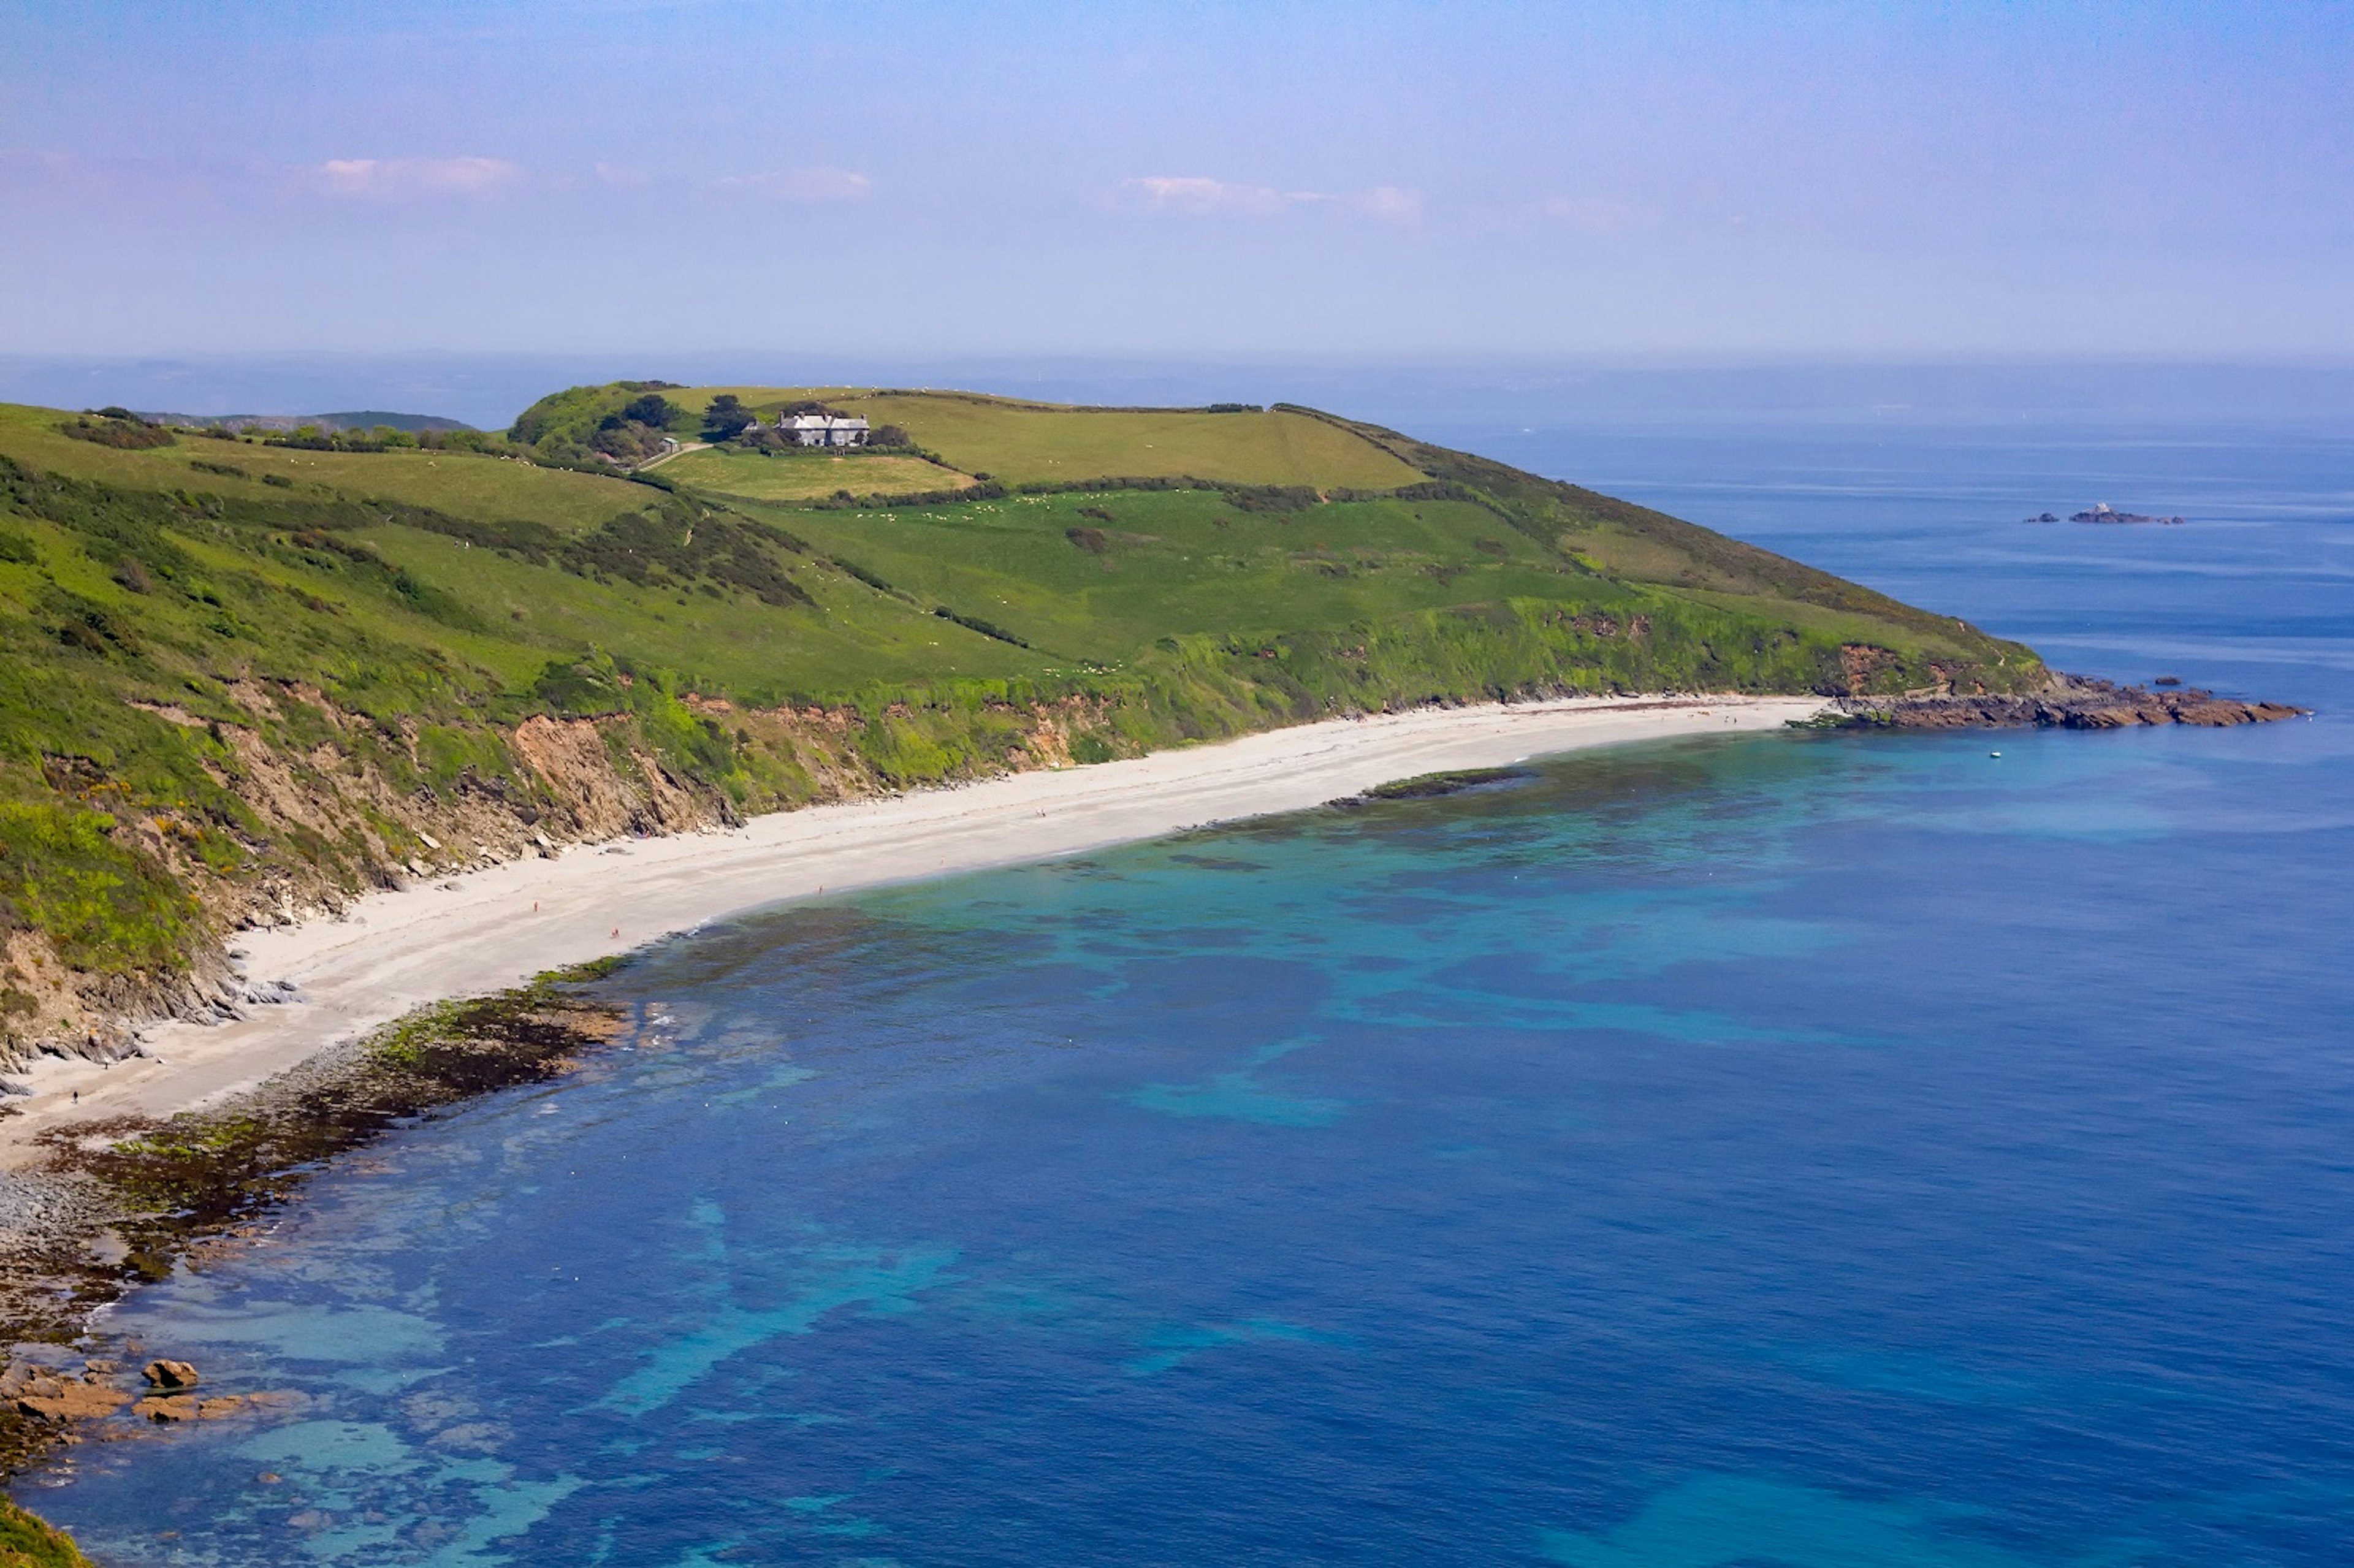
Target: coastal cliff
x=325 y=805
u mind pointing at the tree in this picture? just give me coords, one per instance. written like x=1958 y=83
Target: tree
x=653 y=408
x=726 y=418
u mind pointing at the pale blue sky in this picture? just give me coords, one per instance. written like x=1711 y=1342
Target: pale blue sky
x=904 y=179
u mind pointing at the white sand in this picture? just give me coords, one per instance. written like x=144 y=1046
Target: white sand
x=495 y=927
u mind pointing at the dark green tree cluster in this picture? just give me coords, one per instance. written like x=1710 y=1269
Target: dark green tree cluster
x=117 y=428
x=727 y=418
x=623 y=422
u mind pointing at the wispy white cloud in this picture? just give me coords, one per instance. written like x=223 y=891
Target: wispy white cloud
x=801 y=184
x=403 y=179
x=1198 y=195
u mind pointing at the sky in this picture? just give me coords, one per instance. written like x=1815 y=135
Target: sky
x=911 y=181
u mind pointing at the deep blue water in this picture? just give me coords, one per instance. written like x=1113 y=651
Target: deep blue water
x=1804 y=1150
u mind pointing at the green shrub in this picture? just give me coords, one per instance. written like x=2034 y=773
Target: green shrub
x=128 y=431
x=29 y=1542
x=106 y=906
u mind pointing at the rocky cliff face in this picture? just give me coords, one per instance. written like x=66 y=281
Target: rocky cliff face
x=343 y=812
x=2070 y=701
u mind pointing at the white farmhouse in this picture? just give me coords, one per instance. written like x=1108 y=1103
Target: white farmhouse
x=825 y=430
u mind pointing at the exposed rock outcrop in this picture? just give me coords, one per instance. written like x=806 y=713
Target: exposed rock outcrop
x=2070 y=701
x=171 y=1374
x=85 y=1398
x=188 y=1407
x=55 y=1396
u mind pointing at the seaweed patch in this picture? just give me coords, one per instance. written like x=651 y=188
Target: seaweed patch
x=122 y=1201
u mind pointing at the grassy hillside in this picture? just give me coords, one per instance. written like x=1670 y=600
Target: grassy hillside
x=1019 y=443
x=1023 y=443
x=26 y=1542
x=247 y=679
x=809 y=475
x=459 y=483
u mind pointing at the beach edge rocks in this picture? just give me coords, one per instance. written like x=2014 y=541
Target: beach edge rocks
x=2070 y=701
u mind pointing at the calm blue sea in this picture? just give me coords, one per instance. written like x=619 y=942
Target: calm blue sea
x=1826 y=1151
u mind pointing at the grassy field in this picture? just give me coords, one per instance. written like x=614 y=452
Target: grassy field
x=1019 y=443
x=726 y=644
x=1024 y=445
x=806 y=475
x=1102 y=577
x=465 y=483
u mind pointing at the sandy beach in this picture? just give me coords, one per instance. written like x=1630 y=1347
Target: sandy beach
x=488 y=929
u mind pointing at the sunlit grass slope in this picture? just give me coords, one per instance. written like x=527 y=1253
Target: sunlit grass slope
x=1021 y=442
x=26 y=1542
x=1103 y=576
x=806 y=475
x=464 y=483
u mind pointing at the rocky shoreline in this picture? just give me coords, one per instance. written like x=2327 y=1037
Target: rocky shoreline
x=2070 y=701
x=122 y=1202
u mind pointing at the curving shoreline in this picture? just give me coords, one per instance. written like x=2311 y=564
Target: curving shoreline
x=485 y=931
x=427 y=996
x=111 y=1173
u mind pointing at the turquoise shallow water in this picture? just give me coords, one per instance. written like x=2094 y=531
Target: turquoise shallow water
x=1818 y=1150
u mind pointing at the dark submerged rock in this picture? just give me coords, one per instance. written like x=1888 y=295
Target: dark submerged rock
x=1430 y=786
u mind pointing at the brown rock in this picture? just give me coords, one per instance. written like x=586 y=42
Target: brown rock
x=2070 y=701
x=168 y=1407
x=171 y=1374
x=75 y=1401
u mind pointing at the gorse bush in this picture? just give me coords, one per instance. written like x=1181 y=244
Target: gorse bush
x=107 y=906
x=121 y=430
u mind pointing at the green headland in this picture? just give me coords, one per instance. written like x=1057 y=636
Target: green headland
x=248 y=676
